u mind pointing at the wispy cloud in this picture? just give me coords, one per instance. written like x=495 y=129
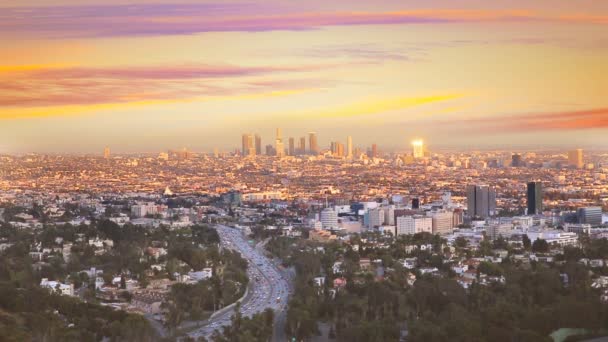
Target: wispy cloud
x=23 y=89
x=532 y=122
x=172 y=19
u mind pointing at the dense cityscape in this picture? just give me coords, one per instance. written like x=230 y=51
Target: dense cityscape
x=303 y=171
x=138 y=235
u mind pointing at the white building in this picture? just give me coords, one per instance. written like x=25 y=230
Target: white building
x=206 y=273
x=329 y=218
x=375 y=218
x=63 y=289
x=554 y=236
x=414 y=224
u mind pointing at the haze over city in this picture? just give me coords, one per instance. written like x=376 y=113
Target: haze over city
x=76 y=76
x=304 y=171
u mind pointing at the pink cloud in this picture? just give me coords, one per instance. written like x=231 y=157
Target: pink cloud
x=171 y=19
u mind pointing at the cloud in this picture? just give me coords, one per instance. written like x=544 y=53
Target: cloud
x=367 y=108
x=178 y=19
x=35 y=91
x=534 y=122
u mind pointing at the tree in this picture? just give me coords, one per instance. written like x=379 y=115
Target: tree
x=540 y=246
x=526 y=242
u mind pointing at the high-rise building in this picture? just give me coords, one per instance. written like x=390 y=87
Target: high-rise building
x=329 y=218
x=516 y=160
x=106 y=152
x=590 y=215
x=302 y=147
x=375 y=218
x=413 y=224
x=340 y=150
x=575 y=158
x=418 y=149
x=535 y=198
x=374 y=151
x=248 y=148
x=244 y=144
x=270 y=151
x=258 y=145
x=481 y=201
x=349 y=147
x=280 y=149
x=292 y=147
x=312 y=143
x=443 y=221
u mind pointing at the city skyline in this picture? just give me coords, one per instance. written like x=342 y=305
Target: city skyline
x=465 y=73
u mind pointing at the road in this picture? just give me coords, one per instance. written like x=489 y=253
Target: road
x=268 y=287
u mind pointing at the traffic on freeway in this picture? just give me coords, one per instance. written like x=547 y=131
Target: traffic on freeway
x=268 y=288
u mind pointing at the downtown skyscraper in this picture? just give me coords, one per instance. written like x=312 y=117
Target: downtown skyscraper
x=312 y=143
x=535 y=198
x=481 y=201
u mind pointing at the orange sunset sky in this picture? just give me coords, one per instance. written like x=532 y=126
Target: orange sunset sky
x=144 y=76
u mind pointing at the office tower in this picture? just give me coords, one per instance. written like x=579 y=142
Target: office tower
x=349 y=147
x=280 y=149
x=244 y=146
x=302 y=148
x=312 y=143
x=375 y=218
x=329 y=218
x=446 y=198
x=590 y=215
x=106 y=152
x=481 y=201
x=418 y=149
x=248 y=148
x=415 y=203
x=258 y=144
x=443 y=221
x=216 y=153
x=374 y=151
x=270 y=150
x=575 y=158
x=292 y=147
x=535 y=198
x=516 y=160
x=332 y=147
x=340 y=149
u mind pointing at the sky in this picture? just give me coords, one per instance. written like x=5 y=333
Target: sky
x=147 y=76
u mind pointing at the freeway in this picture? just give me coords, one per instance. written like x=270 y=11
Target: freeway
x=268 y=287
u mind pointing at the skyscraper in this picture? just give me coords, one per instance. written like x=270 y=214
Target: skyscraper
x=575 y=158
x=280 y=149
x=590 y=215
x=516 y=160
x=258 y=144
x=374 y=151
x=535 y=198
x=481 y=201
x=244 y=144
x=292 y=147
x=302 y=147
x=349 y=147
x=312 y=143
x=106 y=152
x=248 y=148
x=418 y=149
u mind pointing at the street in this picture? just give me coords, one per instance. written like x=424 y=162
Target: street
x=268 y=288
